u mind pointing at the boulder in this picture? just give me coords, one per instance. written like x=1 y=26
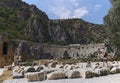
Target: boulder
x=77 y=67
x=73 y=74
x=53 y=64
x=115 y=64
x=115 y=70
x=88 y=64
x=18 y=72
x=18 y=75
x=44 y=67
x=101 y=71
x=21 y=70
x=13 y=64
x=38 y=68
x=29 y=69
x=104 y=71
x=87 y=74
x=59 y=66
x=69 y=67
x=96 y=72
x=118 y=70
x=50 y=70
x=35 y=76
x=56 y=75
x=8 y=67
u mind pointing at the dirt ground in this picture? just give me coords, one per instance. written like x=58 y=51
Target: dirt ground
x=7 y=75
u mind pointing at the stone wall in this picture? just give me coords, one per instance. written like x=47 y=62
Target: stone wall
x=20 y=50
x=75 y=50
x=29 y=50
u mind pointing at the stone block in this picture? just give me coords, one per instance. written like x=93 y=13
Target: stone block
x=35 y=76
x=56 y=75
x=73 y=74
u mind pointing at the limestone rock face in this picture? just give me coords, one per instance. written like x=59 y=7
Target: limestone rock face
x=29 y=23
x=74 y=31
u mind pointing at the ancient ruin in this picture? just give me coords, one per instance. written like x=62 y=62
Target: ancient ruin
x=6 y=51
x=20 y=50
x=30 y=50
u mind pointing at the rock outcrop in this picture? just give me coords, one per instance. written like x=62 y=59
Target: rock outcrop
x=29 y=23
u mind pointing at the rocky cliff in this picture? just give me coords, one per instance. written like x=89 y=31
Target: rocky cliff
x=23 y=21
x=75 y=31
x=27 y=22
x=112 y=21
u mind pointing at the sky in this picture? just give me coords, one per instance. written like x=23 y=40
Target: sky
x=89 y=10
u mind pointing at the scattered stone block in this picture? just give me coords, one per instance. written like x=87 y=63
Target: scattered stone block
x=35 y=76
x=104 y=71
x=29 y=69
x=56 y=75
x=59 y=66
x=87 y=74
x=69 y=67
x=96 y=72
x=8 y=67
x=73 y=74
x=53 y=64
x=88 y=64
x=38 y=68
x=18 y=75
x=115 y=70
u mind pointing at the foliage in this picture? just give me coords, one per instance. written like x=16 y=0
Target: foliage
x=29 y=62
x=26 y=22
x=112 y=21
x=9 y=24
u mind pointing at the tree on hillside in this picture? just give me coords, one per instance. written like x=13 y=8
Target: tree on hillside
x=112 y=21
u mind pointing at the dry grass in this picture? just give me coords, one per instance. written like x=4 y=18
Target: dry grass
x=64 y=61
x=43 y=61
x=7 y=75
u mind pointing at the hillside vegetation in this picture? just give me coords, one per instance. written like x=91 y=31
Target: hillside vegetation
x=23 y=21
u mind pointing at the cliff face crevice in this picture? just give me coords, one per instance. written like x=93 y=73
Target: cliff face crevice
x=27 y=22
x=76 y=31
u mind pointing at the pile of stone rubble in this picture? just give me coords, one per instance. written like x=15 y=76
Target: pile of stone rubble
x=54 y=71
